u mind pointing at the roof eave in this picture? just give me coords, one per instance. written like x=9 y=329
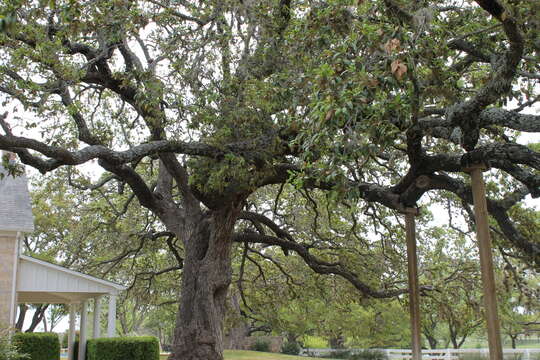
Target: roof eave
x=111 y=284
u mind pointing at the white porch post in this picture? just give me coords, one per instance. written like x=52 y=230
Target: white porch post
x=97 y=316
x=71 y=333
x=82 y=330
x=111 y=326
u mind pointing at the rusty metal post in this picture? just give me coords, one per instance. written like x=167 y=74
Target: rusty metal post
x=414 y=292
x=486 y=261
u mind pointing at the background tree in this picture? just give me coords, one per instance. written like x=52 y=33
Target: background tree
x=519 y=298
x=77 y=229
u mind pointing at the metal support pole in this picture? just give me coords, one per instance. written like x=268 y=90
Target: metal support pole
x=414 y=292
x=486 y=262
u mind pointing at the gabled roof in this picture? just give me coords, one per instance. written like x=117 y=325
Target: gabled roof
x=41 y=282
x=15 y=205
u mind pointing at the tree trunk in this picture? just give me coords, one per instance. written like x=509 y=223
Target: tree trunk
x=513 y=341
x=432 y=341
x=239 y=329
x=453 y=336
x=38 y=317
x=23 y=308
x=337 y=342
x=236 y=337
x=205 y=280
x=292 y=337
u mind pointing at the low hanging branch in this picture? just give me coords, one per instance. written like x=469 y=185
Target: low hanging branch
x=320 y=266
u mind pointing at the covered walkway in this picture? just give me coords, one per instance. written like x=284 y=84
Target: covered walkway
x=24 y=279
x=40 y=282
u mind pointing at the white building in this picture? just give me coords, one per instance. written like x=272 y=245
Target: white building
x=24 y=279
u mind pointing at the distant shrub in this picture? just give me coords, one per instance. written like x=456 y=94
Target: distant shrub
x=123 y=348
x=38 y=346
x=369 y=355
x=65 y=337
x=261 y=345
x=75 y=355
x=338 y=354
x=290 y=348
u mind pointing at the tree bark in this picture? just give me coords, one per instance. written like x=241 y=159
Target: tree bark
x=238 y=332
x=236 y=337
x=513 y=341
x=23 y=308
x=432 y=341
x=205 y=280
x=453 y=337
x=337 y=342
x=38 y=317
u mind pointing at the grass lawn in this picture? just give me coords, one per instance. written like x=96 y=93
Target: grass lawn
x=256 y=355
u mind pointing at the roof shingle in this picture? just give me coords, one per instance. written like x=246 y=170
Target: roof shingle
x=15 y=205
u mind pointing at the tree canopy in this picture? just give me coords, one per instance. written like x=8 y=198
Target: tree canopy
x=196 y=108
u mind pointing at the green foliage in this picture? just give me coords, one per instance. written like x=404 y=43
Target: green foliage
x=369 y=355
x=39 y=346
x=132 y=348
x=291 y=348
x=6 y=22
x=65 y=337
x=75 y=355
x=261 y=345
x=75 y=226
x=534 y=146
x=322 y=92
x=8 y=350
x=12 y=168
x=316 y=342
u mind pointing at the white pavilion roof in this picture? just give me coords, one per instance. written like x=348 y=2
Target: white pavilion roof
x=41 y=282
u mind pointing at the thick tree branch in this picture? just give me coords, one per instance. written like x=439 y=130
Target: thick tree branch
x=465 y=114
x=444 y=129
x=145 y=196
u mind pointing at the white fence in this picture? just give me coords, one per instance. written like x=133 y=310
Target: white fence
x=437 y=354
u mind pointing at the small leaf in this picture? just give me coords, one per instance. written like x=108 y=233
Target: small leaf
x=392 y=46
x=329 y=114
x=398 y=69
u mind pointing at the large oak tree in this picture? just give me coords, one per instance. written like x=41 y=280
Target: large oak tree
x=378 y=101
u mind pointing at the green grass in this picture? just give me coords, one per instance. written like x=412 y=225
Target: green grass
x=256 y=355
